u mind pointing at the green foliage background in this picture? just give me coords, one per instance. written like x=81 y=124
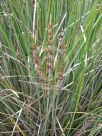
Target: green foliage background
x=25 y=107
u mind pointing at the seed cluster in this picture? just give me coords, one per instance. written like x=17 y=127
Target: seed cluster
x=61 y=71
x=49 y=54
x=36 y=63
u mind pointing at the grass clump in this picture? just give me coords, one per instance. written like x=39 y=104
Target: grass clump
x=50 y=68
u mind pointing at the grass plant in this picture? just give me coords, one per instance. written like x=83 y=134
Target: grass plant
x=50 y=68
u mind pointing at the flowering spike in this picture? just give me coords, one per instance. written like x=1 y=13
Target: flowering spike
x=61 y=71
x=49 y=54
x=36 y=63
